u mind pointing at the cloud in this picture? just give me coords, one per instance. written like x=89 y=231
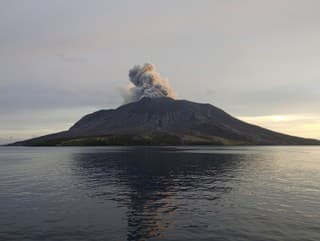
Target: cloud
x=146 y=83
x=304 y=125
x=68 y=58
x=28 y=96
x=249 y=58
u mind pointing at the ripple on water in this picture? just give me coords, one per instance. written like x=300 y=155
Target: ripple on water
x=160 y=193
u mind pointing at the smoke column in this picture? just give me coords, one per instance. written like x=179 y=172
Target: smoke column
x=146 y=82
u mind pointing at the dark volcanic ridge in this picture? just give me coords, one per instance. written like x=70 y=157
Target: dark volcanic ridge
x=165 y=121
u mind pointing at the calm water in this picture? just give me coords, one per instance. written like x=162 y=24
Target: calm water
x=139 y=193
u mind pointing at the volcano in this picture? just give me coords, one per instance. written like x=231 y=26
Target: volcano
x=164 y=121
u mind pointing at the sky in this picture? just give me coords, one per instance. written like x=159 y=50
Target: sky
x=257 y=60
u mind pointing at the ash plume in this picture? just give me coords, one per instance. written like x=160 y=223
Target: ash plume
x=146 y=82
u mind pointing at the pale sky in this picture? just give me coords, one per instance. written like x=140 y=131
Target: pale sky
x=257 y=60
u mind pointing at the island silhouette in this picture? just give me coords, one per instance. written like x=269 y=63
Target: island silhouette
x=164 y=121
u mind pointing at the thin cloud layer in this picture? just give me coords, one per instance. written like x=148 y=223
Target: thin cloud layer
x=250 y=59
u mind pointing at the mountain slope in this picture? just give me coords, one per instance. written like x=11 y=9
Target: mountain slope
x=165 y=121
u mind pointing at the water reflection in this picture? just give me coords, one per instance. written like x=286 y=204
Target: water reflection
x=153 y=183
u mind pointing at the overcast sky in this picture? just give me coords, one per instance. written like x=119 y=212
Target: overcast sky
x=257 y=60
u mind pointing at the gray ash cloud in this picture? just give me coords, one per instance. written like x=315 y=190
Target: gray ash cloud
x=146 y=82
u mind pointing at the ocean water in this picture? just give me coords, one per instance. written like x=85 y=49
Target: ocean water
x=160 y=193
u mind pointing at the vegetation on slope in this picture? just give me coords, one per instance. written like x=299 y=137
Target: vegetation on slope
x=159 y=139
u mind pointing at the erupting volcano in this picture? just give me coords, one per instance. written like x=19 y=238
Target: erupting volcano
x=152 y=116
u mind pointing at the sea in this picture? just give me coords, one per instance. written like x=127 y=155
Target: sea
x=137 y=193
